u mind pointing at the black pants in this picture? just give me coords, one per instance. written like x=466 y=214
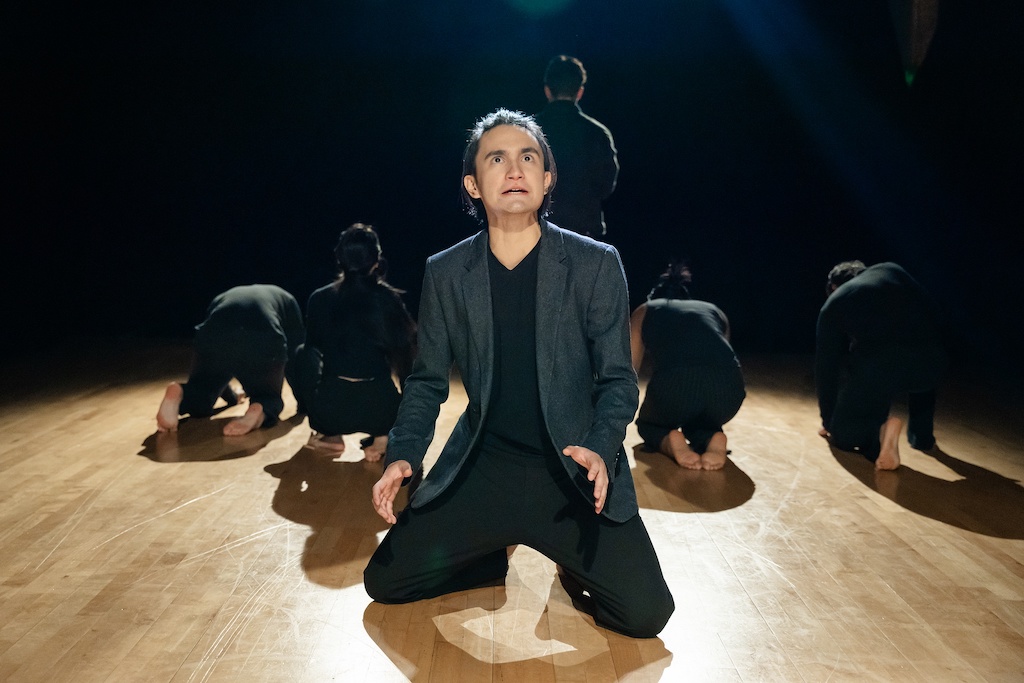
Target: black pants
x=868 y=390
x=338 y=406
x=459 y=541
x=256 y=359
x=697 y=399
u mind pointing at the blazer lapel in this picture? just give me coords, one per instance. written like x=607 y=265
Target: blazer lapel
x=476 y=292
x=552 y=274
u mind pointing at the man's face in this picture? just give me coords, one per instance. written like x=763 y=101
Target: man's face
x=510 y=176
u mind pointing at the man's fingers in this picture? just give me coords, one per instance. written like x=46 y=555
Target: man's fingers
x=387 y=512
x=379 y=503
x=386 y=488
x=597 y=472
x=385 y=509
x=600 y=490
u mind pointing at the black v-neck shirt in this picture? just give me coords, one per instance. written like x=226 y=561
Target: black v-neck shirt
x=515 y=422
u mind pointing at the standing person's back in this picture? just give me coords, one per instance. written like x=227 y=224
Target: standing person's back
x=584 y=150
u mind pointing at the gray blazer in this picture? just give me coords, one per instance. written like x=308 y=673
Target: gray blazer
x=588 y=389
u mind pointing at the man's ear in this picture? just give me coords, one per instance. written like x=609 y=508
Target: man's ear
x=547 y=181
x=469 y=182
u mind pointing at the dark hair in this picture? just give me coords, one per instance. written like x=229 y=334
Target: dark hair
x=842 y=273
x=672 y=283
x=565 y=76
x=358 y=256
x=504 y=117
x=359 y=260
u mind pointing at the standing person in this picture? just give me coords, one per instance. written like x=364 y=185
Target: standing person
x=696 y=384
x=358 y=333
x=583 y=148
x=878 y=336
x=250 y=333
x=535 y=319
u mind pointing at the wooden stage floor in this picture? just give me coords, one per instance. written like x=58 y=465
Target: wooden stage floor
x=131 y=556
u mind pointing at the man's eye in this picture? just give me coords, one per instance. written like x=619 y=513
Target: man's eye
x=527 y=157
x=496 y=160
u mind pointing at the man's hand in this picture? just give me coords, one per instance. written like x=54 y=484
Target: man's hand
x=597 y=472
x=386 y=488
x=824 y=433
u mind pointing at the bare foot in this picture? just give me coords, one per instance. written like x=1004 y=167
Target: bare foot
x=252 y=419
x=333 y=444
x=167 y=414
x=714 y=456
x=674 y=445
x=375 y=451
x=889 y=435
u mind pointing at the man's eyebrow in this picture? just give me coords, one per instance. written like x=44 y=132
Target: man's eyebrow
x=502 y=153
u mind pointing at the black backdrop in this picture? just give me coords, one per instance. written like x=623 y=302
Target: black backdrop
x=156 y=155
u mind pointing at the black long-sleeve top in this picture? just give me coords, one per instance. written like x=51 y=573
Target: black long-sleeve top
x=363 y=330
x=880 y=309
x=258 y=308
x=588 y=166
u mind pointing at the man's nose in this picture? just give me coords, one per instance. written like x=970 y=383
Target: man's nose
x=515 y=170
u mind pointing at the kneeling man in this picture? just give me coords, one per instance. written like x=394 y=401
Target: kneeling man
x=535 y=319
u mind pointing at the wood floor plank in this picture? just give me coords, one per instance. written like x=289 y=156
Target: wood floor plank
x=132 y=556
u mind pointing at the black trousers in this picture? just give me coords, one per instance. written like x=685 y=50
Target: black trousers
x=459 y=541
x=338 y=406
x=697 y=399
x=868 y=390
x=256 y=359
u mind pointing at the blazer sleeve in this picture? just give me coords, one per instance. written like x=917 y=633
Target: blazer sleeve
x=426 y=388
x=616 y=394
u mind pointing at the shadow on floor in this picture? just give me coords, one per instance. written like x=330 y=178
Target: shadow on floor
x=689 y=490
x=982 y=501
x=332 y=498
x=203 y=440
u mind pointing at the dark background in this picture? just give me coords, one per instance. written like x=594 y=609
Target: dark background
x=156 y=154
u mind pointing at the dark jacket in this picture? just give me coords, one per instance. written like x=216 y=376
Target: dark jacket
x=587 y=164
x=588 y=388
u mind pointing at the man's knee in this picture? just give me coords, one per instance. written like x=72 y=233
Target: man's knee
x=645 y=619
x=379 y=586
